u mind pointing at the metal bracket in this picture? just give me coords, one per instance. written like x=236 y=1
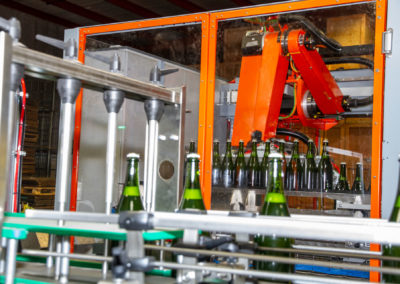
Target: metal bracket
x=387 y=42
x=136 y=221
x=122 y=263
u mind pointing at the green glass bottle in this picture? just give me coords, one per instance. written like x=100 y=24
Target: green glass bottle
x=358 y=184
x=325 y=170
x=389 y=250
x=192 y=197
x=216 y=165
x=253 y=167
x=294 y=170
x=228 y=167
x=342 y=186
x=310 y=168
x=241 y=167
x=130 y=199
x=274 y=205
x=264 y=165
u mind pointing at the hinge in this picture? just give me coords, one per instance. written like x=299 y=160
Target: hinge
x=387 y=42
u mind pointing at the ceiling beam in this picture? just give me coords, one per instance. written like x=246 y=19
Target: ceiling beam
x=134 y=8
x=81 y=11
x=37 y=13
x=243 y=2
x=187 y=5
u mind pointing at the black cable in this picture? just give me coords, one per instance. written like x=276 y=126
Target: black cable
x=311 y=28
x=355 y=102
x=301 y=136
x=358 y=60
x=351 y=50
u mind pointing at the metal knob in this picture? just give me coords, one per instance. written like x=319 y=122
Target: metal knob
x=114 y=61
x=12 y=26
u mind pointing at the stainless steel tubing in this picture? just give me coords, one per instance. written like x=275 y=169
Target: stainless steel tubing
x=11 y=261
x=380 y=232
x=154 y=110
x=63 y=181
x=150 y=164
x=110 y=159
x=67 y=255
x=279 y=259
x=257 y=274
x=64 y=271
x=345 y=229
x=6 y=119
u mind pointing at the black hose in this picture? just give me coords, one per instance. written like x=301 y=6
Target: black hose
x=358 y=60
x=355 y=102
x=301 y=136
x=311 y=28
x=351 y=50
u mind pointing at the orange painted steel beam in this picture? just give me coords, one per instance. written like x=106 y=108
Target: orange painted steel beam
x=206 y=123
x=283 y=7
x=151 y=23
x=202 y=19
x=377 y=123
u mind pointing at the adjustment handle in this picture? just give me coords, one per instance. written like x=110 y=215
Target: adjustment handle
x=70 y=46
x=114 y=61
x=156 y=73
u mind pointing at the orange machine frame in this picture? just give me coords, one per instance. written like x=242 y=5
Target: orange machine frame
x=209 y=22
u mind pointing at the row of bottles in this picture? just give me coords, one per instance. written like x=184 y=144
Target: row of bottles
x=298 y=175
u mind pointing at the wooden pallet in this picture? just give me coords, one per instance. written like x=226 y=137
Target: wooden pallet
x=39 y=182
x=37 y=190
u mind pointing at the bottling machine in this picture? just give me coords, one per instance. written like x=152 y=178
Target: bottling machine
x=117 y=97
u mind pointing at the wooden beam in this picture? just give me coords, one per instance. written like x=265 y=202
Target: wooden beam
x=187 y=5
x=37 y=13
x=81 y=11
x=134 y=8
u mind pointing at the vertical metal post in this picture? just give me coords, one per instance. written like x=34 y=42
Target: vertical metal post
x=113 y=100
x=11 y=261
x=65 y=260
x=187 y=276
x=135 y=248
x=5 y=118
x=182 y=151
x=68 y=89
x=154 y=110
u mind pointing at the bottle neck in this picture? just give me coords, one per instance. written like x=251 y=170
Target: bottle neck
x=342 y=172
x=254 y=150
x=241 y=150
x=192 y=174
x=192 y=147
x=228 y=149
x=216 y=149
x=132 y=175
x=358 y=172
x=325 y=153
x=275 y=181
x=295 y=153
x=267 y=149
x=310 y=152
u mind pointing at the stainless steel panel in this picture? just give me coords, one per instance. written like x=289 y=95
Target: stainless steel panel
x=391 y=134
x=131 y=134
x=6 y=119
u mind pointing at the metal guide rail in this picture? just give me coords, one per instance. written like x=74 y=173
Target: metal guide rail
x=38 y=63
x=339 y=229
x=297 y=226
